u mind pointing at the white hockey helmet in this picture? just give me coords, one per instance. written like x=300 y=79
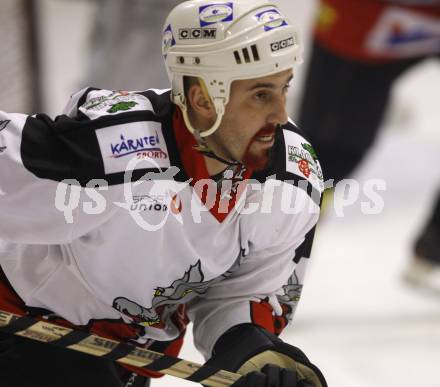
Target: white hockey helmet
x=221 y=41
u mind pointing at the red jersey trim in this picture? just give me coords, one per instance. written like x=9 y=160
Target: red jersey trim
x=11 y=302
x=195 y=167
x=262 y=315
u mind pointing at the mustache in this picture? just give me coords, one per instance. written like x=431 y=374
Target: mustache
x=267 y=130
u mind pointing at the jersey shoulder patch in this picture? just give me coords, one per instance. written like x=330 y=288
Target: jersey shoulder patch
x=121 y=143
x=121 y=140
x=301 y=158
x=122 y=132
x=100 y=103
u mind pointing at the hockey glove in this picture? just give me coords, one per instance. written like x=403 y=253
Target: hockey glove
x=271 y=375
x=264 y=359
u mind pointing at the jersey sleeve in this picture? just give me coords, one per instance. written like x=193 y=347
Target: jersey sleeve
x=265 y=284
x=59 y=178
x=37 y=204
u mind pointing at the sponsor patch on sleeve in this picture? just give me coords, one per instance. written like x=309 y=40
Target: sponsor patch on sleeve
x=301 y=159
x=141 y=140
x=101 y=103
x=216 y=13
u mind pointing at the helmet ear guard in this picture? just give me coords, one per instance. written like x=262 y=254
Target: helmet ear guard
x=225 y=41
x=219 y=107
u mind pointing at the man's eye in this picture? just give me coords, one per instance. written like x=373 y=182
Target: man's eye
x=287 y=87
x=262 y=96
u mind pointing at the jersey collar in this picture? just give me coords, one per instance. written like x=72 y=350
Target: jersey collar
x=195 y=167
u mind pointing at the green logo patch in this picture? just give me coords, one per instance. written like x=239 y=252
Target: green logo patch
x=122 y=106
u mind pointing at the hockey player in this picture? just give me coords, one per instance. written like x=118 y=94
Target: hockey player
x=360 y=49
x=136 y=212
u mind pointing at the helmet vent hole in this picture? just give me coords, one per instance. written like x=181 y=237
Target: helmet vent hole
x=181 y=59
x=237 y=57
x=255 y=52
x=197 y=60
x=247 y=58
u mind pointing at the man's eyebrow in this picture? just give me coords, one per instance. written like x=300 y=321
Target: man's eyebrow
x=268 y=85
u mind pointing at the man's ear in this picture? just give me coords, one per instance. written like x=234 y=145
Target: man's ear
x=199 y=100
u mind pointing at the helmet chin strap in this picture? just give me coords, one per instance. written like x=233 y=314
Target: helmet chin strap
x=202 y=146
x=200 y=135
x=209 y=153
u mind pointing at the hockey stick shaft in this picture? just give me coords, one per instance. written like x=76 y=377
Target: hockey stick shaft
x=123 y=353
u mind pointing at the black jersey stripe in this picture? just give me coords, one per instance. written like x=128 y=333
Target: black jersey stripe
x=304 y=250
x=304 y=185
x=68 y=148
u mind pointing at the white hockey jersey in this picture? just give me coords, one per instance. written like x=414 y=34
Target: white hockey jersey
x=108 y=214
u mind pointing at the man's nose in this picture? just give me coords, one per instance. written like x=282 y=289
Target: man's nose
x=278 y=114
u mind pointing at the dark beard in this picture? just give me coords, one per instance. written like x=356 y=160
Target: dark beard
x=260 y=162
x=256 y=162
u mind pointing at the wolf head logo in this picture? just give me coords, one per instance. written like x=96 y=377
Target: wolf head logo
x=292 y=291
x=183 y=289
x=180 y=291
x=136 y=312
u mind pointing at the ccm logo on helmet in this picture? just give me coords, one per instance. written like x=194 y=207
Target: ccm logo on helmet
x=282 y=44
x=197 y=33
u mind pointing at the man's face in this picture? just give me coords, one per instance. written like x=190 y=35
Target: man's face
x=255 y=108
